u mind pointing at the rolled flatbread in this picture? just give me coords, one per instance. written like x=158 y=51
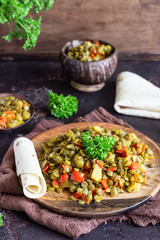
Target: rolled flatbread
x=28 y=168
x=136 y=96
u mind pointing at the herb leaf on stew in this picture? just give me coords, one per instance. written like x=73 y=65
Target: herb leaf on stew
x=97 y=147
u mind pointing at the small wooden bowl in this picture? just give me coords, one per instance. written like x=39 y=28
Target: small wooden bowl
x=24 y=126
x=88 y=76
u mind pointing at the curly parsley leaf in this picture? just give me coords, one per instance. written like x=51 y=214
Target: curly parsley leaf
x=62 y=107
x=1 y=220
x=19 y=12
x=97 y=147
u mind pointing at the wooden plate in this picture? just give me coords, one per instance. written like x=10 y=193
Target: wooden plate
x=109 y=205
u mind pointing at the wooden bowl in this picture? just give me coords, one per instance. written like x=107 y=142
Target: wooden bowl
x=88 y=76
x=24 y=126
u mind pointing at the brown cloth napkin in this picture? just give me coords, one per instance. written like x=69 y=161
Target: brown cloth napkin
x=12 y=198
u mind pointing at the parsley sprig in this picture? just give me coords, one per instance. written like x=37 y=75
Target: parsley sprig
x=97 y=147
x=19 y=12
x=1 y=220
x=62 y=107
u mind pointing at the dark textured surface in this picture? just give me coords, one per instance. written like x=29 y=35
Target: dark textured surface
x=28 y=78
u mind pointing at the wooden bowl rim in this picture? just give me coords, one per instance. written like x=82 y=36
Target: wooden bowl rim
x=21 y=98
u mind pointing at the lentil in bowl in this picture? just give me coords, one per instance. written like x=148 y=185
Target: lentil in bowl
x=15 y=112
x=90 y=51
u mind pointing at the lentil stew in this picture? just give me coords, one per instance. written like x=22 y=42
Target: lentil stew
x=13 y=112
x=66 y=166
x=90 y=51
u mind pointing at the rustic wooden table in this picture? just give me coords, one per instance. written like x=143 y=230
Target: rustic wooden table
x=31 y=78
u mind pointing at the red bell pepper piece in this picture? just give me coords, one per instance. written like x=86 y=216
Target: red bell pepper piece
x=104 y=183
x=84 y=198
x=62 y=165
x=134 y=165
x=55 y=183
x=46 y=169
x=87 y=166
x=122 y=151
x=77 y=176
x=135 y=146
x=80 y=196
x=92 y=55
x=111 y=169
x=76 y=195
x=86 y=173
x=97 y=43
x=64 y=177
x=94 y=191
x=3 y=120
x=100 y=163
x=142 y=149
x=10 y=113
x=70 y=168
x=124 y=154
x=79 y=144
x=119 y=184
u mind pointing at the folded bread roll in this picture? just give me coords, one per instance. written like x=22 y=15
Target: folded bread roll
x=28 y=168
x=136 y=96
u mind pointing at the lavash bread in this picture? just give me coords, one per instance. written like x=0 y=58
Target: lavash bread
x=28 y=168
x=136 y=96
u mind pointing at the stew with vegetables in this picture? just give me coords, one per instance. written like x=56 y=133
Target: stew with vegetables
x=13 y=112
x=90 y=51
x=66 y=165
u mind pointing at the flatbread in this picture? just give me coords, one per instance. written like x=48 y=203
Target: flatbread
x=136 y=96
x=28 y=168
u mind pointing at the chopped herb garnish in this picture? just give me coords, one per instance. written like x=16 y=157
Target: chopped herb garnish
x=97 y=147
x=19 y=12
x=62 y=107
x=1 y=220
